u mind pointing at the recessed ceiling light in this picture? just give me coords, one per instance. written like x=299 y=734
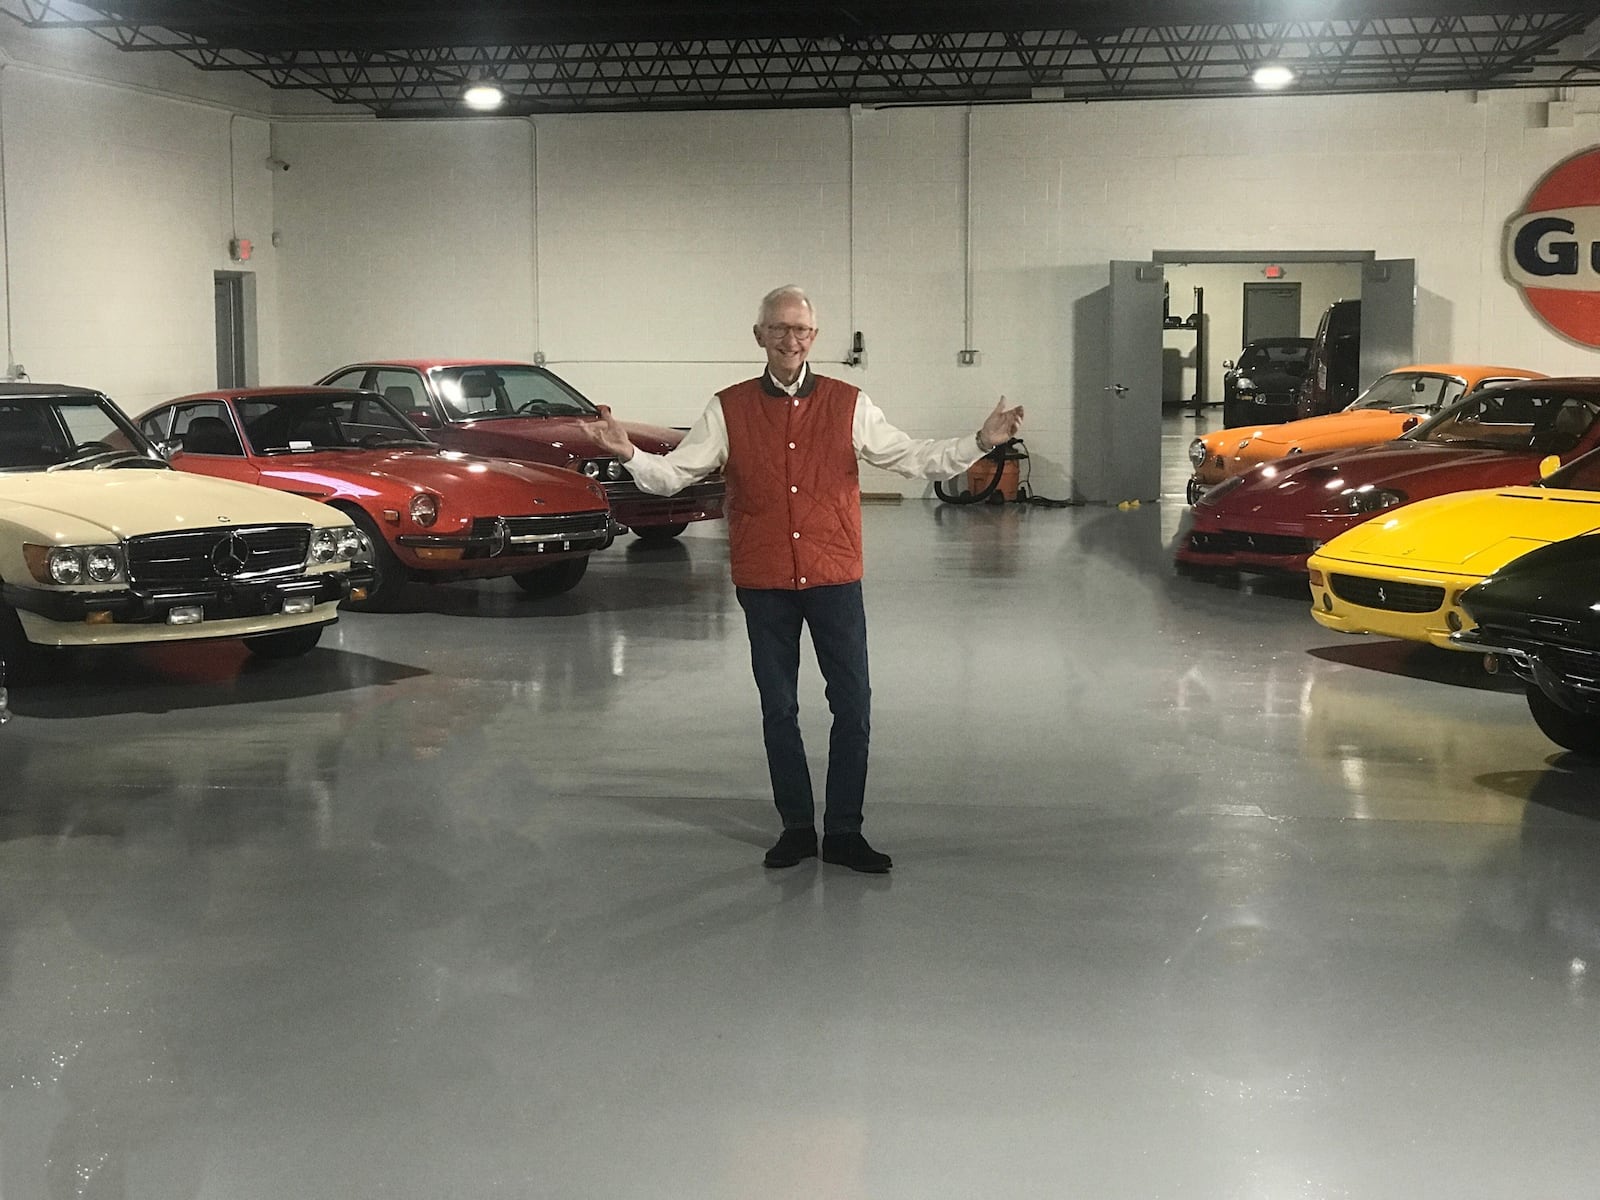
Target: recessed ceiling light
x=483 y=97
x=1272 y=77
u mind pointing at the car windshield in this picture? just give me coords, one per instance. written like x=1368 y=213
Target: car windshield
x=1410 y=393
x=1270 y=356
x=506 y=390
x=55 y=433
x=295 y=423
x=1549 y=422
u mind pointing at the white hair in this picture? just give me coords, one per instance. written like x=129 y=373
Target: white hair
x=779 y=296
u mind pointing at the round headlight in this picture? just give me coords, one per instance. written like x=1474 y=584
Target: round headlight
x=66 y=565
x=424 y=509
x=615 y=470
x=591 y=469
x=324 y=545
x=1245 y=384
x=103 y=563
x=353 y=544
x=1371 y=499
x=1197 y=451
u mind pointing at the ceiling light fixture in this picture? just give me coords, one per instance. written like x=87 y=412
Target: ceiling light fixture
x=483 y=97
x=1271 y=78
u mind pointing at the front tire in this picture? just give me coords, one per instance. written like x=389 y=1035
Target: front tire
x=553 y=580
x=389 y=574
x=291 y=643
x=1573 y=731
x=657 y=535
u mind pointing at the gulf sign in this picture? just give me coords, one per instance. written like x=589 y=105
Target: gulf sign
x=1553 y=248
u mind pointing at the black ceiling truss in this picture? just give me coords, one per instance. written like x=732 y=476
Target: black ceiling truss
x=870 y=66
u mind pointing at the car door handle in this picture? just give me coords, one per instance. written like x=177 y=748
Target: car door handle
x=1118 y=388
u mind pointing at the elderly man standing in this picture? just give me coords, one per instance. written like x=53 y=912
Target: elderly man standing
x=788 y=442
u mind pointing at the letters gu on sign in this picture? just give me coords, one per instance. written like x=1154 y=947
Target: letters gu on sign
x=1553 y=248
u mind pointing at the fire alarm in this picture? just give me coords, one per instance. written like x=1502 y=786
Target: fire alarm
x=1273 y=272
x=239 y=249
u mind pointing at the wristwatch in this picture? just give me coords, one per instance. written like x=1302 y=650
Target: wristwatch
x=978 y=437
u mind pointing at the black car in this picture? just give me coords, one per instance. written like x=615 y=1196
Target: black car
x=1541 y=614
x=1262 y=387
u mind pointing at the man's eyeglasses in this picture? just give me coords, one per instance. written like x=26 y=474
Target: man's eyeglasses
x=801 y=333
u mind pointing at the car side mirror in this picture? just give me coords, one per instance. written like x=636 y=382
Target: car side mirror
x=423 y=418
x=1409 y=424
x=168 y=448
x=1549 y=465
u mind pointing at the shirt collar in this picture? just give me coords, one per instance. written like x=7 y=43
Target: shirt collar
x=802 y=386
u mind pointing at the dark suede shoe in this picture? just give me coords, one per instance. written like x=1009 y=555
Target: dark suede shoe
x=851 y=850
x=794 y=845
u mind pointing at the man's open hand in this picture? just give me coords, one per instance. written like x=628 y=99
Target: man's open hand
x=608 y=431
x=1001 y=425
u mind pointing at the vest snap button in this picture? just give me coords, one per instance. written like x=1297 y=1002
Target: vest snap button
x=792 y=488
x=797 y=537
x=791 y=445
x=802 y=579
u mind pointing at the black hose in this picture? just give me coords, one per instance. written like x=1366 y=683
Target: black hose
x=998 y=456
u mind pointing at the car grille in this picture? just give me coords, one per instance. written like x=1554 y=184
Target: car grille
x=561 y=525
x=627 y=490
x=1387 y=595
x=199 y=557
x=1229 y=541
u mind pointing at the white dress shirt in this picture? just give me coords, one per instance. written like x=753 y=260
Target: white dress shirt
x=705 y=447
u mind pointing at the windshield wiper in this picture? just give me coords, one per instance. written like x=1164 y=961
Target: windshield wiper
x=88 y=461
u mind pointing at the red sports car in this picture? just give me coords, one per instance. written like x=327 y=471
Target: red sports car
x=517 y=410
x=1274 y=515
x=432 y=514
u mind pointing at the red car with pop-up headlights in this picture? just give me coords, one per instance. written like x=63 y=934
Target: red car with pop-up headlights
x=526 y=412
x=432 y=514
x=1273 y=516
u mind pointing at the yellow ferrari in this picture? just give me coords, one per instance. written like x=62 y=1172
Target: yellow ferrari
x=1392 y=405
x=1401 y=575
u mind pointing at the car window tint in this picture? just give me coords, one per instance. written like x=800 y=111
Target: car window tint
x=206 y=427
x=403 y=389
x=28 y=437
x=1409 y=393
x=506 y=390
x=1514 y=420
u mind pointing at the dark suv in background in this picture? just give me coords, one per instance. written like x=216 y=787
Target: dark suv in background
x=1262 y=388
x=1334 y=376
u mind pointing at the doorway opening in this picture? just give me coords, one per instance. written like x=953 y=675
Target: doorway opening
x=234 y=295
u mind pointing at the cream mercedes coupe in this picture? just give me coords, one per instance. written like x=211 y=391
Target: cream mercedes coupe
x=102 y=543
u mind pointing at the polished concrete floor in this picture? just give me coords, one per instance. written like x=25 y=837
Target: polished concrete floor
x=1191 y=899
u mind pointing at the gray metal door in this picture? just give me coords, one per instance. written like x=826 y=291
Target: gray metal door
x=228 y=290
x=1388 y=316
x=1129 y=456
x=1271 y=310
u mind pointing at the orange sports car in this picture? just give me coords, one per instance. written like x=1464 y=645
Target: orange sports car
x=1393 y=404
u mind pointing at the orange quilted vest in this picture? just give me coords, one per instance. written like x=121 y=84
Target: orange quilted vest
x=794 y=492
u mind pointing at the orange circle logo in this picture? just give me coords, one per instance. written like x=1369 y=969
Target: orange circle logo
x=1553 y=248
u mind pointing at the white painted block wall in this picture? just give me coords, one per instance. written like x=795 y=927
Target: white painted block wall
x=631 y=250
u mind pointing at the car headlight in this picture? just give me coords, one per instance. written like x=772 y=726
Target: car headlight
x=1245 y=384
x=1369 y=499
x=340 y=544
x=425 y=509
x=69 y=566
x=603 y=468
x=1197 y=452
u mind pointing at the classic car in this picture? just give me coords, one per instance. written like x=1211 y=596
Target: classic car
x=525 y=412
x=1541 y=616
x=431 y=514
x=1273 y=516
x=102 y=543
x=1403 y=576
x=1263 y=384
x=1394 y=403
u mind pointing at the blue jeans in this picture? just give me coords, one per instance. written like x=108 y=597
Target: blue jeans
x=838 y=624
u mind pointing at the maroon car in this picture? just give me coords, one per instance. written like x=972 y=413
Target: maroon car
x=521 y=411
x=1273 y=516
x=431 y=514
